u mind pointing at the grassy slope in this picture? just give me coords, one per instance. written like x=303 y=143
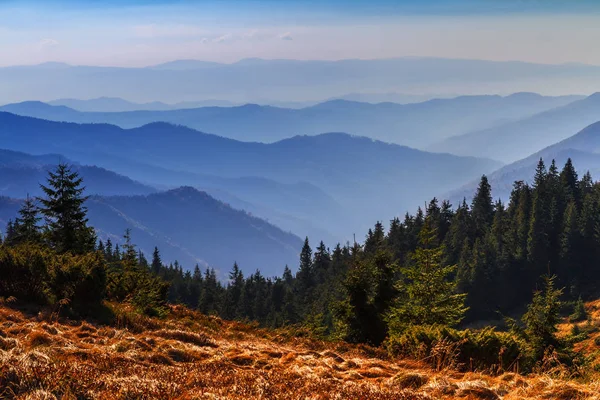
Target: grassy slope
x=191 y=356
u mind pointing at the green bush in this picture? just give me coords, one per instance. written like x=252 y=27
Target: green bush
x=24 y=272
x=78 y=279
x=34 y=273
x=579 y=312
x=443 y=347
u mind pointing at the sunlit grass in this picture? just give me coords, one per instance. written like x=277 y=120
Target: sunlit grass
x=189 y=355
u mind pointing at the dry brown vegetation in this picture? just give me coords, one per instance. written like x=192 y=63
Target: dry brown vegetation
x=192 y=356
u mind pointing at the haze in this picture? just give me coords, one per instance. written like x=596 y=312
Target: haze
x=141 y=33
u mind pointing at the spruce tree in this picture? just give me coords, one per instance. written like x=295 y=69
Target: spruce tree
x=27 y=228
x=65 y=213
x=428 y=295
x=482 y=209
x=156 y=264
x=570 y=183
x=306 y=275
x=10 y=235
x=234 y=293
x=129 y=255
x=542 y=318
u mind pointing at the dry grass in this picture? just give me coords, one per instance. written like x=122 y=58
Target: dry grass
x=192 y=356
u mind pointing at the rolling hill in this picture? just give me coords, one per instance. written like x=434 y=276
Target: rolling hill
x=368 y=178
x=415 y=125
x=21 y=174
x=514 y=141
x=189 y=226
x=582 y=148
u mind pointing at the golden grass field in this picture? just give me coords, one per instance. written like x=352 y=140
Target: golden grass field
x=192 y=356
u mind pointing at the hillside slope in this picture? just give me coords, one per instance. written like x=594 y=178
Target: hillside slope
x=188 y=226
x=516 y=140
x=415 y=125
x=190 y=355
x=368 y=178
x=583 y=149
x=199 y=226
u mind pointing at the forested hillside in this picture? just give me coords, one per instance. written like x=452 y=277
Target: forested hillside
x=438 y=269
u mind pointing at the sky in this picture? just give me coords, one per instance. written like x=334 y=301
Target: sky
x=134 y=33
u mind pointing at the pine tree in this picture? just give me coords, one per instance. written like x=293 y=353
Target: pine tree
x=117 y=254
x=65 y=213
x=101 y=248
x=10 y=235
x=427 y=294
x=234 y=293
x=108 y=253
x=375 y=238
x=27 y=229
x=321 y=263
x=288 y=277
x=306 y=275
x=156 y=264
x=129 y=254
x=542 y=318
x=538 y=242
x=570 y=183
x=570 y=252
x=482 y=209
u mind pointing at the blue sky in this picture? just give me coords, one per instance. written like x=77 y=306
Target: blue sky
x=143 y=32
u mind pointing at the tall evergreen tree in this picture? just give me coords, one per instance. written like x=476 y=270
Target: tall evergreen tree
x=428 y=294
x=156 y=264
x=28 y=229
x=482 y=209
x=63 y=207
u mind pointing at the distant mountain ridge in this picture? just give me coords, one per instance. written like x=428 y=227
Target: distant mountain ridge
x=115 y=104
x=415 y=125
x=188 y=226
x=21 y=175
x=583 y=148
x=368 y=178
x=516 y=140
x=250 y=80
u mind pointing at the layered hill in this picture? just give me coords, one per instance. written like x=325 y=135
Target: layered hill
x=188 y=226
x=371 y=180
x=21 y=174
x=193 y=227
x=415 y=125
x=582 y=148
x=517 y=140
x=250 y=80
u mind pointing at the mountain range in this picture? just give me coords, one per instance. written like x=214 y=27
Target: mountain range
x=250 y=80
x=21 y=175
x=516 y=140
x=188 y=226
x=583 y=149
x=416 y=125
x=368 y=179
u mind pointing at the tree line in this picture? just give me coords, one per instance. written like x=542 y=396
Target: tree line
x=440 y=267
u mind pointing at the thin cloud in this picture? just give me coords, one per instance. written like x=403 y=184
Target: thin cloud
x=153 y=31
x=286 y=36
x=47 y=42
x=224 y=38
